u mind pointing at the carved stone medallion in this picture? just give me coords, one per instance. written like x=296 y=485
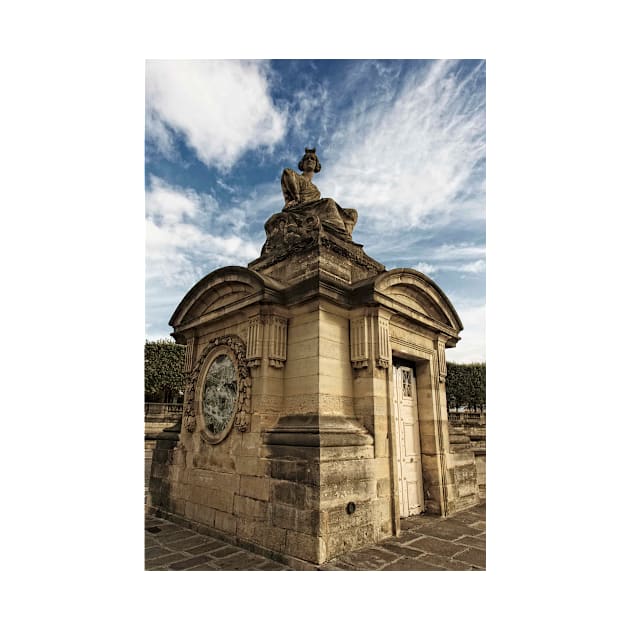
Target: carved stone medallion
x=219 y=394
x=219 y=390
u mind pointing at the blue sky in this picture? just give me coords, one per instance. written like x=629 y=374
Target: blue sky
x=402 y=142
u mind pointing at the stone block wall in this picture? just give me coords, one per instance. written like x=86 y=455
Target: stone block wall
x=468 y=444
x=323 y=485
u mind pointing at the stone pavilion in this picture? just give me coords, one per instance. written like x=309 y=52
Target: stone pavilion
x=315 y=414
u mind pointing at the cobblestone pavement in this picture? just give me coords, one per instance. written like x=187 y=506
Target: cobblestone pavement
x=170 y=547
x=427 y=543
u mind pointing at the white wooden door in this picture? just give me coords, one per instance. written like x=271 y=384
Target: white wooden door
x=408 y=442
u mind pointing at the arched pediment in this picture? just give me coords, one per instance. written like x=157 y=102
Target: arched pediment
x=413 y=290
x=225 y=287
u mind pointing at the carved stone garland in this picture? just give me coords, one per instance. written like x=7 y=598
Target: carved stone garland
x=241 y=418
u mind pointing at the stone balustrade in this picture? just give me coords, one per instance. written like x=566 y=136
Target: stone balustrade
x=467 y=431
x=154 y=412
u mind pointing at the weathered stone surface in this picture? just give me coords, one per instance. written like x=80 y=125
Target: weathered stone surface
x=189 y=562
x=266 y=536
x=241 y=561
x=402 y=550
x=291 y=518
x=254 y=487
x=208 y=545
x=155 y=552
x=179 y=534
x=334 y=494
x=213 y=498
x=339 y=542
x=250 y=508
x=475 y=542
x=448 y=530
x=186 y=544
x=476 y=557
x=163 y=560
x=410 y=564
x=338 y=519
x=200 y=513
x=293 y=494
x=446 y=564
x=309 y=548
x=223 y=552
x=371 y=558
x=429 y=544
x=225 y=522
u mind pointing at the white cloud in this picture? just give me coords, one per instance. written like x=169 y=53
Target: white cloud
x=171 y=205
x=223 y=108
x=479 y=266
x=414 y=159
x=426 y=268
x=457 y=251
x=179 y=252
x=462 y=257
x=184 y=242
x=159 y=134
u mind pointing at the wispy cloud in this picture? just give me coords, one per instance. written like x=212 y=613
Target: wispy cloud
x=457 y=251
x=416 y=159
x=426 y=268
x=222 y=108
x=313 y=111
x=460 y=257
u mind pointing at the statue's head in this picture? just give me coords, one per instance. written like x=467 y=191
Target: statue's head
x=310 y=153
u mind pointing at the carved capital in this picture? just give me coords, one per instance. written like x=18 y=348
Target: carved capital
x=383 y=351
x=277 y=341
x=253 y=356
x=359 y=337
x=369 y=332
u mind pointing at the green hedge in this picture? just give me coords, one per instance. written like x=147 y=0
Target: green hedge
x=163 y=370
x=466 y=386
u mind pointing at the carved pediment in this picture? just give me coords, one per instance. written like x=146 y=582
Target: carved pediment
x=411 y=291
x=418 y=301
x=218 y=297
x=226 y=289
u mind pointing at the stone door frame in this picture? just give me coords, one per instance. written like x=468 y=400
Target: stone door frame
x=400 y=438
x=433 y=428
